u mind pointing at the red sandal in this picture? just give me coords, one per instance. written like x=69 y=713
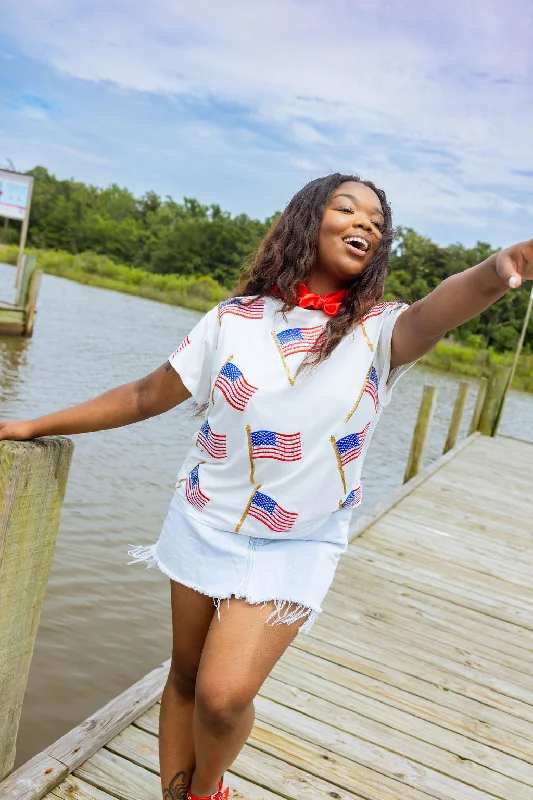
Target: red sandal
x=220 y=794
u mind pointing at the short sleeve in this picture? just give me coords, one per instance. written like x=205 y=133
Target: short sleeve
x=193 y=359
x=388 y=377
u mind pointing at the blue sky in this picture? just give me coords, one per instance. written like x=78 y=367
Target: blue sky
x=241 y=103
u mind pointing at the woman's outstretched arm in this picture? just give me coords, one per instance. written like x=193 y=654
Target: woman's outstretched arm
x=458 y=299
x=147 y=397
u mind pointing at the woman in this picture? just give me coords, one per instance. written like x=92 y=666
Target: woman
x=292 y=376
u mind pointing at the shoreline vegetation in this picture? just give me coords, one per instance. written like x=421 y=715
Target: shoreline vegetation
x=201 y=293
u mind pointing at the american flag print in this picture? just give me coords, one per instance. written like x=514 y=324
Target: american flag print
x=378 y=309
x=372 y=386
x=213 y=443
x=266 y=510
x=281 y=446
x=350 y=447
x=234 y=386
x=353 y=499
x=253 y=310
x=300 y=340
x=182 y=346
x=193 y=493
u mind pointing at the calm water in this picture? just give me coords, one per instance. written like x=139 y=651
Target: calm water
x=105 y=624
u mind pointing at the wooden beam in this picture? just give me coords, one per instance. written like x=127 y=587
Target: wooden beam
x=33 y=478
x=457 y=416
x=418 y=443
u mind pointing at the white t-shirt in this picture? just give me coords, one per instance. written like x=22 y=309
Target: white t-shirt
x=278 y=453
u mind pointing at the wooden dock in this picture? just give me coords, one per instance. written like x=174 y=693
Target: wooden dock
x=415 y=683
x=18 y=318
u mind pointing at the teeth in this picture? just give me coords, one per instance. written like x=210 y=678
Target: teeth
x=357 y=239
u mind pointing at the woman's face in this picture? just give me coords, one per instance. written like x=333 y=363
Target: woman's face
x=351 y=230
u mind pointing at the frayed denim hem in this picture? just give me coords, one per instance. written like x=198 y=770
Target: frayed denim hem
x=283 y=614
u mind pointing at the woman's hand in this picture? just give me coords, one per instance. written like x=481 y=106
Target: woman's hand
x=18 y=431
x=515 y=264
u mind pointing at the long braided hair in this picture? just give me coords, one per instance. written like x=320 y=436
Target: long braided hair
x=286 y=256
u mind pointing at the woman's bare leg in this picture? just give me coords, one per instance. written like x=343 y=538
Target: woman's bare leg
x=191 y=616
x=239 y=653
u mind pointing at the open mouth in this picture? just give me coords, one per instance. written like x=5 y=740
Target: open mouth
x=357 y=244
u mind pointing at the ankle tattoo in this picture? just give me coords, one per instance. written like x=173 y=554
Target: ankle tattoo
x=177 y=788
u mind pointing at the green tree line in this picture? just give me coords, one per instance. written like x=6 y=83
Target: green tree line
x=189 y=239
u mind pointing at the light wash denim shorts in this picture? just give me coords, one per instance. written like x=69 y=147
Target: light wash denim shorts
x=294 y=573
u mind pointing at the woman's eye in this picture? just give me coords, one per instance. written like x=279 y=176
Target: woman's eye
x=345 y=209
x=379 y=225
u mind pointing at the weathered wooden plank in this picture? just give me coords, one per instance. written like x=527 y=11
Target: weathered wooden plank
x=73 y=788
x=430 y=685
x=429 y=732
x=306 y=709
x=433 y=640
x=378 y=588
x=120 y=777
x=430 y=581
x=466 y=666
x=33 y=779
x=435 y=620
x=410 y=665
x=419 y=699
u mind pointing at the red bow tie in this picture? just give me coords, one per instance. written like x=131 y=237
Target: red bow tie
x=330 y=303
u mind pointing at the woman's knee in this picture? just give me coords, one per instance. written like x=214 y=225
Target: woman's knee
x=182 y=676
x=221 y=706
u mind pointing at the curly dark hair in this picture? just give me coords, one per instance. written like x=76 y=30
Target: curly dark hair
x=286 y=256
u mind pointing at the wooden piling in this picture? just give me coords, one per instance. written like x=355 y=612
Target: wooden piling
x=478 y=408
x=418 y=443
x=457 y=416
x=488 y=422
x=33 y=477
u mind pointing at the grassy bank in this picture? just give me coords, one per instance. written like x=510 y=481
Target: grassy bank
x=202 y=293
x=470 y=363
x=197 y=293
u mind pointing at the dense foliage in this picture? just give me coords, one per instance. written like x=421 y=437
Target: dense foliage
x=188 y=239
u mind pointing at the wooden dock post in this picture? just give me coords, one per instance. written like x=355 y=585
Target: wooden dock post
x=418 y=444
x=457 y=416
x=490 y=414
x=478 y=408
x=33 y=478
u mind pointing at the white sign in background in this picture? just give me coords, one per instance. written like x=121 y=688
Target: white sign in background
x=14 y=194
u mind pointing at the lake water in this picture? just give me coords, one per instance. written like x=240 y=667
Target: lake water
x=105 y=624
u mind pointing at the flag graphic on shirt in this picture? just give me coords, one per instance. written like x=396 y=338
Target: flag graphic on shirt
x=347 y=449
x=193 y=493
x=253 y=310
x=372 y=386
x=281 y=446
x=182 y=346
x=378 y=309
x=234 y=386
x=266 y=510
x=214 y=443
x=271 y=444
x=353 y=499
x=297 y=340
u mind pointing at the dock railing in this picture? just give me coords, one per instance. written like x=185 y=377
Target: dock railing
x=33 y=479
x=485 y=417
